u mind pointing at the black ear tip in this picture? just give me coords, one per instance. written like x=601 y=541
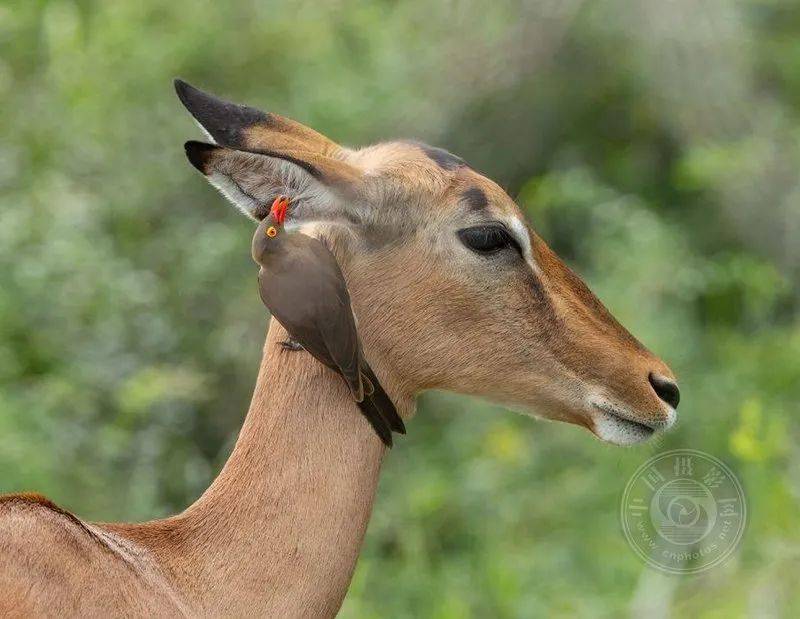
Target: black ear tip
x=199 y=153
x=184 y=90
x=222 y=120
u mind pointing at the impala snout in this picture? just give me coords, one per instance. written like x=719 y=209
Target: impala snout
x=666 y=389
x=643 y=403
x=629 y=392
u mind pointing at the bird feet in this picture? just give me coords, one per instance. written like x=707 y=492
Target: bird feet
x=291 y=345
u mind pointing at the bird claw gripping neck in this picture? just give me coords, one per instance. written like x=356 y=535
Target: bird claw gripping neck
x=291 y=345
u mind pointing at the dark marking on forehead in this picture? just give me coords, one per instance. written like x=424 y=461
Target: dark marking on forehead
x=444 y=159
x=475 y=199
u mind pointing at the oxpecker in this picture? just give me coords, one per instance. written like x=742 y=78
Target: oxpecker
x=302 y=285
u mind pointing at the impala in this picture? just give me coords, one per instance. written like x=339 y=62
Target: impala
x=451 y=290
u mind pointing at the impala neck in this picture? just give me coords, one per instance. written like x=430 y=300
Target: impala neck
x=279 y=531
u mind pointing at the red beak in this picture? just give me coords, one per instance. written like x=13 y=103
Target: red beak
x=278 y=210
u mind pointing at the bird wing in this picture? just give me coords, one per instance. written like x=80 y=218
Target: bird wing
x=306 y=292
x=338 y=331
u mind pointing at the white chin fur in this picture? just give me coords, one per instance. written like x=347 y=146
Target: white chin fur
x=617 y=431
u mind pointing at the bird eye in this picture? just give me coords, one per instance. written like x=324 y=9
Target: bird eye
x=487 y=239
x=271 y=231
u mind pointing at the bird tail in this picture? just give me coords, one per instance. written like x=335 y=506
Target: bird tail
x=376 y=420
x=378 y=407
x=381 y=401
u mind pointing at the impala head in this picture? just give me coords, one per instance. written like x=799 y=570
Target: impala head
x=451 y=288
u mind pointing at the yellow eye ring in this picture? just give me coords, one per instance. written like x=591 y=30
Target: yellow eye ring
x=271 y=232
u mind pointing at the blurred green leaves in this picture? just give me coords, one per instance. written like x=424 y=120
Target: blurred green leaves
x=653 y=146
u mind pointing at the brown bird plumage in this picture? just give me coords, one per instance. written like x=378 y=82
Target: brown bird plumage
x=302 y=285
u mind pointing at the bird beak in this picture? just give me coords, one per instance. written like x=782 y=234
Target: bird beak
x=278 y=210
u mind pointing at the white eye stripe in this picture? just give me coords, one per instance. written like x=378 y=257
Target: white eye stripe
x=520 y=232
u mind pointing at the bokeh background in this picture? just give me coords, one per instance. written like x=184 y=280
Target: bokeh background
x=655 y=145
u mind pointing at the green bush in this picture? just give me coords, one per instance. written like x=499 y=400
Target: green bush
x=655 y=148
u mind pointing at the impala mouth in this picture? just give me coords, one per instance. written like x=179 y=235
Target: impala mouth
x=617 y=426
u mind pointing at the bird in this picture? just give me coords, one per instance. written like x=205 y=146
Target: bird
x=301 y=284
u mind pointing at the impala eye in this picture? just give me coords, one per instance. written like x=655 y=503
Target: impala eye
x=487 y=239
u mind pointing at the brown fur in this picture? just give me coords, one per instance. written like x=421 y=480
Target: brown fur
x=276 y=534
x=279 y=531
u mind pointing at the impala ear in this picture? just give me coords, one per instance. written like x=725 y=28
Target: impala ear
x=258 y=155
x=252 y=179
x=247 y=128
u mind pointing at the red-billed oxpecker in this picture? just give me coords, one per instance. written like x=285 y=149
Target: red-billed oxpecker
x=303 y=287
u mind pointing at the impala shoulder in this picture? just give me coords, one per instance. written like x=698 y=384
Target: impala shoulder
x=32 y=519
x=33 y=503
x=28 y=500
x=51 y=558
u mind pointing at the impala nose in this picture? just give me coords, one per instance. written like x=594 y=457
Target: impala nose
x=665 y=388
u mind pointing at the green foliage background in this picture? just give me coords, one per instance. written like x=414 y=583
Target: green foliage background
x=654 y=145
